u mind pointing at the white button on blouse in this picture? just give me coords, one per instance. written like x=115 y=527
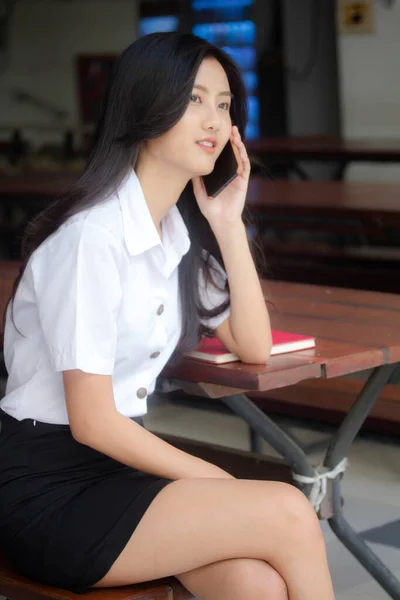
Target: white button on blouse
x=100 y=295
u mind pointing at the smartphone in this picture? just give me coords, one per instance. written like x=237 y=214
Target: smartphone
x=225 y=171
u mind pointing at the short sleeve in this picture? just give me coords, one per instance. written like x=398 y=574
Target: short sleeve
x=78 y=292
x=212 y=296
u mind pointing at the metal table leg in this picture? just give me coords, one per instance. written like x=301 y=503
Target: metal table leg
x=266 y=429
x=262 y=426
x=340 y=171
x=338 y=449
x=256 y=441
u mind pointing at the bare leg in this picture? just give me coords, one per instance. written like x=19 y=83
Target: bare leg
x=195 y=522
x=235 y=579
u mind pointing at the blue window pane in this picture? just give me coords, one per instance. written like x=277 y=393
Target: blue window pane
x=229 y=25
x=252 y=131
x=161 y=23
x=242 y=33
x=245 y=58
x=254 y=109
x=205 y=32
x=218 y=4
x=250 y=79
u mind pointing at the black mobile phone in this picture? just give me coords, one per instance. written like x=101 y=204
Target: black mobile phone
x=225 y=171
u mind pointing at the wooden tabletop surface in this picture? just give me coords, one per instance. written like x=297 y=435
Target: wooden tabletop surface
x=333 y=197
x=355 y=330
x=325 y=147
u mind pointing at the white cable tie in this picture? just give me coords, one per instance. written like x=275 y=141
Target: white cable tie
x=320 y=480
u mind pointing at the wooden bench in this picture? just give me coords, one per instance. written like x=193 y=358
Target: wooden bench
x=329 y=233
x=368 y=268
x=9 y=270
x=17 y=587
x=22 y=195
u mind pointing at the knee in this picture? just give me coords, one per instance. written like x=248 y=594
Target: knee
x=256 y=579
x=298 y=515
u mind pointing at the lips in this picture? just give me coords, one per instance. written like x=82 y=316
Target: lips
x=206 y=147
x=209 y=142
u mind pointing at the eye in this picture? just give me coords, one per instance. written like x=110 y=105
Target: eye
x=193 y=98
x=226 y=105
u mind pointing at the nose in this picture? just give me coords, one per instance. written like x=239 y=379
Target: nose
x=212 y=121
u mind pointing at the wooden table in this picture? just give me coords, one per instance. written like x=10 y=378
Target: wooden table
x=377 y=202
x=355 y=330
x=36 y=183
x=324 y=148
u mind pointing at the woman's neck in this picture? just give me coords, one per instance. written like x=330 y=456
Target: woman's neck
x=161 y=185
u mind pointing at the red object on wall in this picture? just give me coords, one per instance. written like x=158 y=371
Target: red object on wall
x=93 y=72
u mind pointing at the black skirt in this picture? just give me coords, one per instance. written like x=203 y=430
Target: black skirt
x=66 y=510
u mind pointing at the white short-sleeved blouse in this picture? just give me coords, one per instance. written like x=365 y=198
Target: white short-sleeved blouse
x=99 y=295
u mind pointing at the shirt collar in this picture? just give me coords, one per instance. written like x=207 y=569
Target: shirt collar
x=140 y=233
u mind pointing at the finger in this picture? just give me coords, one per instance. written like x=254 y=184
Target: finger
x=238 y=157
x=244 y=158
x=245 y=161
x=237 y=134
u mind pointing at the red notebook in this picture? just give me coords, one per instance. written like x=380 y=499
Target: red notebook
x=212 y=350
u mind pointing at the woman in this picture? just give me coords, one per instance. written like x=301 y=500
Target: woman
x=130 y=262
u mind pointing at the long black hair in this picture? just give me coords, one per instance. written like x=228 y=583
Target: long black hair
x=147 y=94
